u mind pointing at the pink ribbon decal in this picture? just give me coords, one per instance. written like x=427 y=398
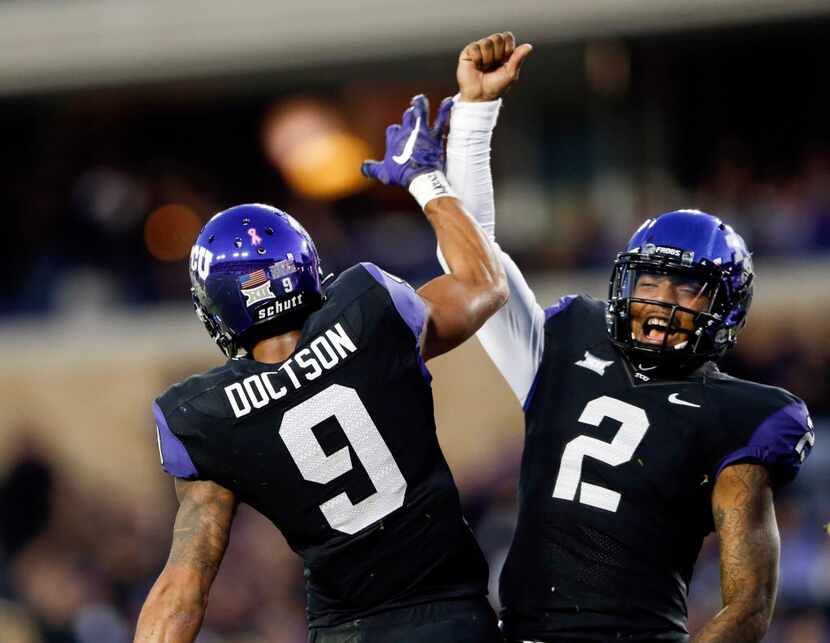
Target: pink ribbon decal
x=255 y=238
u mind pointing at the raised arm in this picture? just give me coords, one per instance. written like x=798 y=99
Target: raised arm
x=175 y=606
x=459 y=302
x=456 y=304
x=744 y=516
x=487 y=68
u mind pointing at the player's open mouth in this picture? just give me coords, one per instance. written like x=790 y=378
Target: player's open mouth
x=654 y=331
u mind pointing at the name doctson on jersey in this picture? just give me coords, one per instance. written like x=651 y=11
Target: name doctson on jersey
x=322 y=354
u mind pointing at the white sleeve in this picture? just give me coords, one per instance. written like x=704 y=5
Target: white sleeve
x=514 y=336
x=468 y=159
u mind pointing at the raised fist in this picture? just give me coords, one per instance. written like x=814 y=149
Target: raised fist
x=412 y=148
x=489 y=66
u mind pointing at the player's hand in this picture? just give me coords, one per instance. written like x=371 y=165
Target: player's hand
x=488 y=67
x=412 y=148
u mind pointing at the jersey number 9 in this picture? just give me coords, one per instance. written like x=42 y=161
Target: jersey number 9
x=345 y=406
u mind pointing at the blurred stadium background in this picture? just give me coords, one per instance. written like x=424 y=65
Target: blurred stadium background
x=125 y=125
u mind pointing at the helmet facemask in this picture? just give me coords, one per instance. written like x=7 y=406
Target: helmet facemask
x=215 y=329
x=709 y=329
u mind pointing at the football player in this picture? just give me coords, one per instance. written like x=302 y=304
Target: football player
x=322 y=419
x=636 y=444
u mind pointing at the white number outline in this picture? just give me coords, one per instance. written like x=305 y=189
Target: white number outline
x=344 y=404
x=634 y=424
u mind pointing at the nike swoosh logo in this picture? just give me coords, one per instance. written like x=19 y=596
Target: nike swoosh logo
x=409 y=147
x=676 y=400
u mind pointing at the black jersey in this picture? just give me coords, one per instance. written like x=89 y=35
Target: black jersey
x=337 y=447
x=617 y=475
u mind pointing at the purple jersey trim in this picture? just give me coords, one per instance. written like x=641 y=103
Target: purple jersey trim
x=773 y=443
x=559 y=306
x=551 y=311
x=409 y=305
x=175 y=459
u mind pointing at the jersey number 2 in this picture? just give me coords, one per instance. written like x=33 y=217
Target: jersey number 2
x=621 y=449
x=345 y=406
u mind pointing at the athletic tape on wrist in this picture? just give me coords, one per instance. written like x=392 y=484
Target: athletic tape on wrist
x=429 y=186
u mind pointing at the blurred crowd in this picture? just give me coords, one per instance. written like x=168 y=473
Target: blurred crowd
x=106 y=188
x=584 y=224
x=117 y=235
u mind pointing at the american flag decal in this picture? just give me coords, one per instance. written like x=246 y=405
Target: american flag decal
x=254 y=279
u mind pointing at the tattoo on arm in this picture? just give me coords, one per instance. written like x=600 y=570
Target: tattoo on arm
x=744 y=517
x=202 y=528
x=175 y=606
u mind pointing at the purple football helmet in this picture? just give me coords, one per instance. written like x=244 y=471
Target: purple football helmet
x=688 y=245
x=254 y=272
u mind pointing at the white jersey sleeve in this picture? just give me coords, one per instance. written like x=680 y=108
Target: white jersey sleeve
x=514 y=336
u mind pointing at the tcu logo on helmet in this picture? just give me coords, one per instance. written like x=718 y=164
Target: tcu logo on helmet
x=200 y=259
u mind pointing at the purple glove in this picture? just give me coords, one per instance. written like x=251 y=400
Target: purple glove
x=411 y=147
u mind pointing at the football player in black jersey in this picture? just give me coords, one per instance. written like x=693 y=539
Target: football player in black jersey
x=636 y=445
x=322 y=419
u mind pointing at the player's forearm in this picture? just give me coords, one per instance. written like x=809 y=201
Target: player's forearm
x=176 y=604
x=743 y=621
x=170 y=615
x=468 y=158
x=514 y=336
x=748 y=582
x=471 y=258
x=744 y=518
